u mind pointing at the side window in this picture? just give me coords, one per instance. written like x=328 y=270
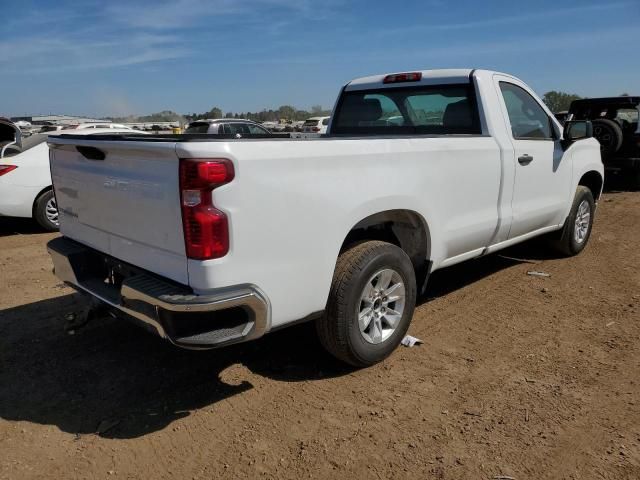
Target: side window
x=325 y=121
x=235 y=128
x=254 y=129
x=528 y=119
x=629 y=115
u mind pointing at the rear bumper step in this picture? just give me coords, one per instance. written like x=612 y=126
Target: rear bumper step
x=225 y=316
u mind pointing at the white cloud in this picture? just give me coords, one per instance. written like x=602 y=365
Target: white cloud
x=119 y=34
x=510 y=19
x=43 y=54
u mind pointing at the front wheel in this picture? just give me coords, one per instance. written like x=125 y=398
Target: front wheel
x=371 y=302
x=46 y=211
x=577 y=228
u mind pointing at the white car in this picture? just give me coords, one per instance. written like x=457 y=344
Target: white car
x=316 y=125
x=211 y=241
x=25 y=177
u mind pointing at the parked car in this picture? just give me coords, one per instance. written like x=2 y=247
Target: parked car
x=316 y=125
x=271 y=126
x=10 y=137
x=212 y=241
x=25 y=178
x=50 y=128
x=118 y=126
x=616 y=127
x=227 y=126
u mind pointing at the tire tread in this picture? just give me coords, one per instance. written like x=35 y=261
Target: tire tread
x=333 y=327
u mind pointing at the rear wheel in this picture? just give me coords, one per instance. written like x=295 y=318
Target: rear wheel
x=46 y=211
x=371 y=302
x=577 y=228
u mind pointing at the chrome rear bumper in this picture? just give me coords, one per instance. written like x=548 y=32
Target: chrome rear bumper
x=225 y=316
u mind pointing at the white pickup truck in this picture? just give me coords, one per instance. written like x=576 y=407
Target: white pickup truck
x=211 y=240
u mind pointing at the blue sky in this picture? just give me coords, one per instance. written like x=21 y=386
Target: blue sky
x=122 y=57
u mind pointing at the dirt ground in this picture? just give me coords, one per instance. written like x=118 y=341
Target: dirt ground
x=519 y=376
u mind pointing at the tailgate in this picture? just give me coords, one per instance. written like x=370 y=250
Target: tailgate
x=126 y=205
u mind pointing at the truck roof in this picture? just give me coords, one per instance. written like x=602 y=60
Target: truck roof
x=429 y=77
x=623 y=100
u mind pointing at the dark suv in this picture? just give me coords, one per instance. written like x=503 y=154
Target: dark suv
x=615 y=126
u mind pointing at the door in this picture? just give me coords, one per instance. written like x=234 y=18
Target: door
x=542 y=173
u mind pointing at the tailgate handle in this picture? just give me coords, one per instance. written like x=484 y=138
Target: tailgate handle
x=91 y=153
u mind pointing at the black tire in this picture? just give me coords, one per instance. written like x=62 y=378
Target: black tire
x=609 y=134
x=566 y=242
x=40 y=212
x=338 y=329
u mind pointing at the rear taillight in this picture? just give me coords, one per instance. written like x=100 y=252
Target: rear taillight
x=6 y=169
x=206 y=229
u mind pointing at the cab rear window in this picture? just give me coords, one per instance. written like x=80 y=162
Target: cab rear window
x=435 y=110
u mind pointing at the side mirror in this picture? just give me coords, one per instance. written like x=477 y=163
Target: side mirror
x=575 y=130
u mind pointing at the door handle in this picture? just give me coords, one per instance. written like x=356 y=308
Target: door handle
x=525 y=159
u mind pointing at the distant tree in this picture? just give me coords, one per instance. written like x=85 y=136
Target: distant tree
x=303 y=115
x=624 y=95
x=286 y=112
x=215 y=112
x=559 y=101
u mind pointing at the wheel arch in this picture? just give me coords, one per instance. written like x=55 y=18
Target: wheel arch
x=593 y=181
x=35 y=200
x=404 y=228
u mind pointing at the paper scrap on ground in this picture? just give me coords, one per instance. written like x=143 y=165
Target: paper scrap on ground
x=538 y=274
x=410 y=341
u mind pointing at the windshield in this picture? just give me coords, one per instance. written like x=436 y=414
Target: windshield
x=436 y=110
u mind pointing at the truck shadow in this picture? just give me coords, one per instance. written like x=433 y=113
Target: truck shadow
x=447 y=280
x=115 y=380
x=18 y=226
